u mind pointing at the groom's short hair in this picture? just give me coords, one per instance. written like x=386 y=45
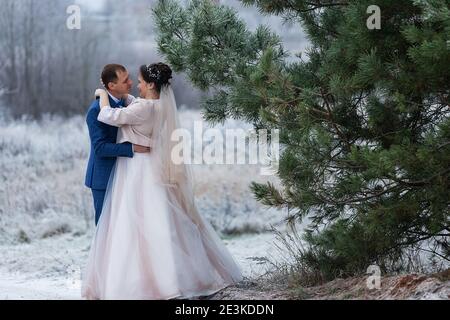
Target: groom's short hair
x=109 y=73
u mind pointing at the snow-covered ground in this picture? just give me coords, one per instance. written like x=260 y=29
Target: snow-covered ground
x=51 y=268
x=46 y=213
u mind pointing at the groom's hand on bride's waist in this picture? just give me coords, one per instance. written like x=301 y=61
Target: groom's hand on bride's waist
x=140 y=149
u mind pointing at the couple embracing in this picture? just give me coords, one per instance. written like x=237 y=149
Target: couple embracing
x=150 y=241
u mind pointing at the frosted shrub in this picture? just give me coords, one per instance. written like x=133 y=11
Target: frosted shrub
x=42 y=192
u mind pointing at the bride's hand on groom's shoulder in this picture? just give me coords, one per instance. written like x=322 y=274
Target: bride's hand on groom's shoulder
x=99 y=92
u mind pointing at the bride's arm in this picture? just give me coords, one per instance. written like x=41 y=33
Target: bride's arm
x=133 y=114
x=104 y=100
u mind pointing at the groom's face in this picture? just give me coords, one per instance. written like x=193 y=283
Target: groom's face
x=122 y=86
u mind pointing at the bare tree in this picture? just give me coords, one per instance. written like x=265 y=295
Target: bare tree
x=47 y=68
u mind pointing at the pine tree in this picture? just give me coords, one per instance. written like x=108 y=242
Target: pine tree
x=364 y=118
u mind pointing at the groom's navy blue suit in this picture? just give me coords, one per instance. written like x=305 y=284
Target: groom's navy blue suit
x=104 y=151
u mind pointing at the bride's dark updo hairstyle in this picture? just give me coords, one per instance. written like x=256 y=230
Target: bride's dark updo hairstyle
x=159 y=73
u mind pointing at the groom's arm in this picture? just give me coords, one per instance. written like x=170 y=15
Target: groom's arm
x=103 y=148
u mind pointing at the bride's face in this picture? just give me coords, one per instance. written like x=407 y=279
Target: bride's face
x=144 y=87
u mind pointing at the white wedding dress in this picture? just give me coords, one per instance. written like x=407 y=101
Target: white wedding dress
x=150 y=241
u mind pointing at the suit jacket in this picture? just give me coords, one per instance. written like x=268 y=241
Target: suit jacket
x=104 y=149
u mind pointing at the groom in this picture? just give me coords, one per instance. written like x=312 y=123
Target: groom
x=104 y=149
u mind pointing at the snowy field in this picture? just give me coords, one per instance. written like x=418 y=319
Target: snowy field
x=51 y=268
x=46 y=213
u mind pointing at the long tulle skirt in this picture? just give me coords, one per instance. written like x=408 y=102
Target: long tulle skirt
x=145 y=245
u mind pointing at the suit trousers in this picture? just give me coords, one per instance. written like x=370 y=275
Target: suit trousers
x=99 y=197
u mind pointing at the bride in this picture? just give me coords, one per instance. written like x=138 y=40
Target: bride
x=150 y=241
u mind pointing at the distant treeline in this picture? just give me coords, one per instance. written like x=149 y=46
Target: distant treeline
x=47 y=68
